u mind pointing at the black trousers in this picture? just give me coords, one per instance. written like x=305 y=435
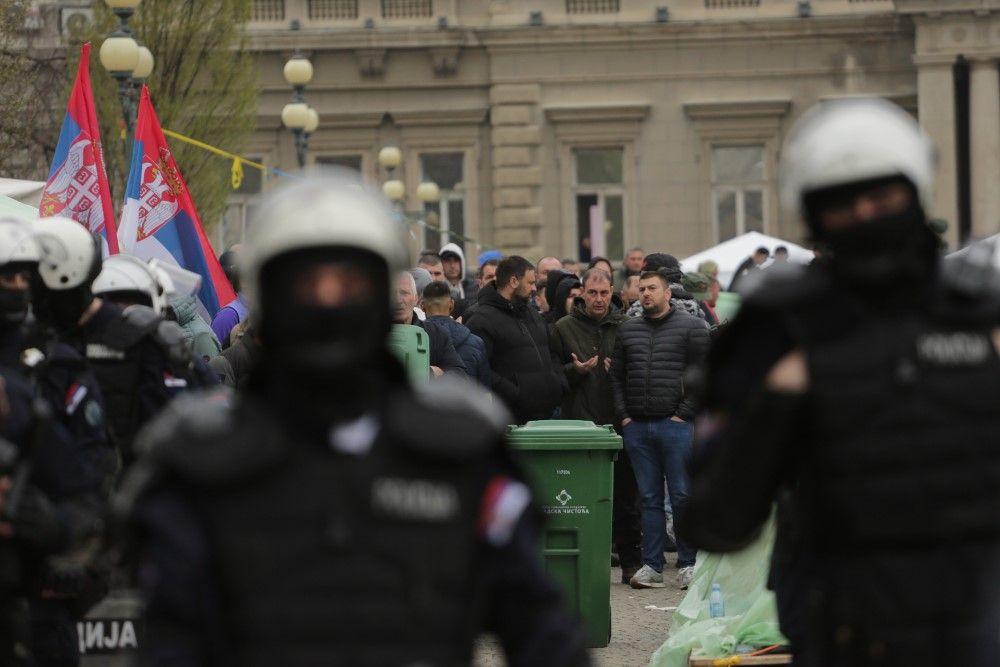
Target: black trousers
x=626 y=529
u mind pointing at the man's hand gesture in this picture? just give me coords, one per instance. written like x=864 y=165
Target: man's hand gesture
x=584 y=367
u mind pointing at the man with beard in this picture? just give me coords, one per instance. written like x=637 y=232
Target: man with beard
x=656 y=411
x=517 y=343
x=869 y=415
x=322 y=518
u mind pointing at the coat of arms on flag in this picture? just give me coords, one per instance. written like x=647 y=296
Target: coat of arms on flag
x=157 y=195
x=159 y=220
x=74 y=190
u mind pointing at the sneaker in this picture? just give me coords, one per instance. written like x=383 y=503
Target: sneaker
x=684 y=577
x=646 y=577
x=628 y=572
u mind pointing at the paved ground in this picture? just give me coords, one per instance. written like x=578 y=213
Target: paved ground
x=635 y=631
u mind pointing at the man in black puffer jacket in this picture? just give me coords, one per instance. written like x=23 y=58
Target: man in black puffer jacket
x=517 y=344
x=647 y=371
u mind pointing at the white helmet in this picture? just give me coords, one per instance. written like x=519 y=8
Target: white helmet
x=848 y=141
x=324 y=209
x=17 y=246
x=68 y=254
x=127 y=273
x=166 y=283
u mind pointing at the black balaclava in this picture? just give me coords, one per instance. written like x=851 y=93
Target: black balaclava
x=14 y=303
x=62 y=309
x=325 y=364
x=899 y=250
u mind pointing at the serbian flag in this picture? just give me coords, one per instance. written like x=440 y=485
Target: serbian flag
x=159 y=220
x=77 y=187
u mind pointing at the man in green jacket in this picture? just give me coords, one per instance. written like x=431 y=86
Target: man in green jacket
x=584 y=342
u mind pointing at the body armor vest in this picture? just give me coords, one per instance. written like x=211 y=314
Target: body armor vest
x=902 y=486
x=369 y=558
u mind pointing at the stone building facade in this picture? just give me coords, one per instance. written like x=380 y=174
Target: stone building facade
x=569 y=127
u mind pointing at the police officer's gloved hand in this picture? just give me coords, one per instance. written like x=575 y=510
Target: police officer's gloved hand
x=36 y=523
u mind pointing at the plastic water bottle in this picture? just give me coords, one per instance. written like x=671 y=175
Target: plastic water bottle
x=716 y=607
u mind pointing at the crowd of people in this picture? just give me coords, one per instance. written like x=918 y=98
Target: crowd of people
x=284 y=495
x=605 y=344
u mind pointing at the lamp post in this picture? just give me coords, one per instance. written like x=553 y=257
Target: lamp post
x=298 y=116
x=121 y=56
x=390 y=158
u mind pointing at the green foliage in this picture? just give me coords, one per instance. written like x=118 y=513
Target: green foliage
x=204 y=86
x=32 y=78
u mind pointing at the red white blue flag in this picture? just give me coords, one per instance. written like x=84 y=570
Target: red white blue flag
x=159 y=220
x=77 y=186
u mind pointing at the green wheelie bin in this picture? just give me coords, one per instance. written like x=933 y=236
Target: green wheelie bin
x=570 y=465
x=412 y=347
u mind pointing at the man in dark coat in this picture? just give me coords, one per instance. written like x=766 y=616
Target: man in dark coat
x=566 y=288
x=438 y=305
x=523 y=373
x=583 y=342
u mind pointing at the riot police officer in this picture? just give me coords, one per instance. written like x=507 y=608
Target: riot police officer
x=143 y=290
x=333 y=514
x=861 y=393
x=53 y=473
x=139 y=359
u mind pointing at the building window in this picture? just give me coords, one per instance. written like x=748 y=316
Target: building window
x=726 y=4
x=333 y=10
x=268 y=10
x=739 y=182
x=407 y=9
x=352 y=162
x=600 y=202
x=447 y=170
x=592 y=6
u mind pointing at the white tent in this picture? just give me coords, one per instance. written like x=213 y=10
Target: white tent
x=730 y=254
x=26 y=192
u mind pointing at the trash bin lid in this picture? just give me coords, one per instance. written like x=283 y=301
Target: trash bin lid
x=563 y=434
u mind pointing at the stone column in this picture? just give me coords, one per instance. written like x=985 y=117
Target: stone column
x=936 y=110
x=984 y=104
x=517 y=174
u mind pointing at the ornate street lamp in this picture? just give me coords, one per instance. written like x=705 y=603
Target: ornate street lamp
x=389 y=158
x=297 y=116
x=121 y=56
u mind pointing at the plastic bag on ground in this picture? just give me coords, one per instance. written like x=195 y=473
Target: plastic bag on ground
x=751 y=616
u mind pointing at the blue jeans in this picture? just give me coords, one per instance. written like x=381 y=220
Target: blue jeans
x=660 y=449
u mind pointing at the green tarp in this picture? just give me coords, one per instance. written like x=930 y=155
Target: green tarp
x=751 y=618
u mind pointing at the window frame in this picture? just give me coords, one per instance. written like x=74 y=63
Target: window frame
x=600 y=190
x=447 y=195
x=740 y=189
